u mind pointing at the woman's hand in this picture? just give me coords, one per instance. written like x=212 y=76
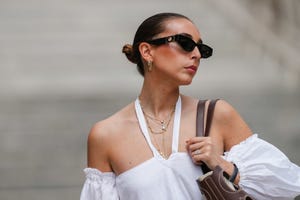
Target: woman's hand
x=202 y=149
x=227 y=129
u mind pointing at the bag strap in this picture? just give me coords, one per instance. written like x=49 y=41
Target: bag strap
x=200 y=123
x=210 y=114
x=200 y=117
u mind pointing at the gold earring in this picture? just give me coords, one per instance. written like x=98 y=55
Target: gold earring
x=150 y=65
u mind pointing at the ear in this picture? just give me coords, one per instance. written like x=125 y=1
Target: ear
x=146 y=51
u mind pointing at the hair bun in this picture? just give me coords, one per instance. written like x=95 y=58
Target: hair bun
x=128 y=51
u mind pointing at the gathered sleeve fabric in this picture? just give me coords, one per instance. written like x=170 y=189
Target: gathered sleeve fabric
x=99 y=185
x=265 y=172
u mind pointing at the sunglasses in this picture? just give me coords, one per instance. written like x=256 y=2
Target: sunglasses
x=185 y=43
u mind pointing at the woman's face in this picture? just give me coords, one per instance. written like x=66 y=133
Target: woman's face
x=172 y=62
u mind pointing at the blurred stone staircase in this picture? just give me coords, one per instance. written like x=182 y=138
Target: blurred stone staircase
x=76 y=47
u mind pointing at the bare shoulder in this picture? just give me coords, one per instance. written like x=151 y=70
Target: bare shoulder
x=225 y=111
x=230 y=124
x=101 y=136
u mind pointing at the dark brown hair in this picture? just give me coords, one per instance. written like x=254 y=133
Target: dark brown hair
x=146 y=31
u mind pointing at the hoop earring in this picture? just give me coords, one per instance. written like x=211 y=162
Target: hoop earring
x=150 y=65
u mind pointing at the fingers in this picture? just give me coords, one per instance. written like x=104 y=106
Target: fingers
x=196 y=140
x=195 y=146
x=198 y=143
x=197 y=156
x=196 y=152
x=199 y=148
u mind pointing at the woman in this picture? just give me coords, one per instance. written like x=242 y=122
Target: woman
x=149 y=149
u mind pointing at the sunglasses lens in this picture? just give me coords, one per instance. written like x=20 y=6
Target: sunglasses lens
x=186 y=43
x=205 y=50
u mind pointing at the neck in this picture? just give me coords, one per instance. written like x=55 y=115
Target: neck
x=158 y=99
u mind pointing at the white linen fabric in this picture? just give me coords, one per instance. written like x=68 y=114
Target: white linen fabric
x=265 y=172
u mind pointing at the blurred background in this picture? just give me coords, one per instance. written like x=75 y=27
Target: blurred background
x=62 y=70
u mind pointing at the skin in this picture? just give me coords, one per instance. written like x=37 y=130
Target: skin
x=116 y=143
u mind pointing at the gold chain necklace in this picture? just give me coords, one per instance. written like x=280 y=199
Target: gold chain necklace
x=160 y=151
x=164 y=127
x=163 y=123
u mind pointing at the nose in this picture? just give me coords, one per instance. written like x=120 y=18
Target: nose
x=196 y=54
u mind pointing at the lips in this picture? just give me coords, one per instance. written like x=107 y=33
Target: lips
x=192 y=68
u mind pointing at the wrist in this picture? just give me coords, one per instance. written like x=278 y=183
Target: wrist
x=234 y=174
x=232 y=170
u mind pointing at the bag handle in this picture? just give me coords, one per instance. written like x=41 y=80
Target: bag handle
x=200 y=117
x=200 y=123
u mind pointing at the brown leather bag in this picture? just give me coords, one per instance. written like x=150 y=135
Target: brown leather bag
x=214 y=185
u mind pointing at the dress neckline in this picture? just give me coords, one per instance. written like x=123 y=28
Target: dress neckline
x=144 y=128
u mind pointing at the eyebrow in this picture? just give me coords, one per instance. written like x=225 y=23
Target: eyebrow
x=190 y=36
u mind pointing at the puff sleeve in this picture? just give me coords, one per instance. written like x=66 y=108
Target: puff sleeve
x=265 y=172
x=99 y=186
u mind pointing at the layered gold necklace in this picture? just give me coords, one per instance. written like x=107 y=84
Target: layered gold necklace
x=163 y=124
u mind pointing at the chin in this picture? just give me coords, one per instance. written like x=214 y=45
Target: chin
x=186 y=82
x=185 y=79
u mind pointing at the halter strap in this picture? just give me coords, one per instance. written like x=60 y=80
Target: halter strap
x=144 y=128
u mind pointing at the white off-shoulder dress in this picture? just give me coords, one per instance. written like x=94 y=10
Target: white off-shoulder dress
x=265 y=172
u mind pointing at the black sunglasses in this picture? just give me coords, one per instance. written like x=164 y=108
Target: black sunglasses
x=186 y=44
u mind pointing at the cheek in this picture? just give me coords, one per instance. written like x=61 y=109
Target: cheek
x=167 y=57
